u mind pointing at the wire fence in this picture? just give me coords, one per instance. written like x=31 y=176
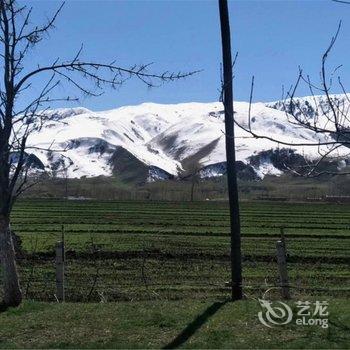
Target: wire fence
x=117 y=250
x=96 y=273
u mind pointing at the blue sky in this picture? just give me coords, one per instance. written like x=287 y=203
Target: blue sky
x=271 y=37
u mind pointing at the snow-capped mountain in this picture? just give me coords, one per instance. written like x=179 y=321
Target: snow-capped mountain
x=160 y=141
x=313 y=106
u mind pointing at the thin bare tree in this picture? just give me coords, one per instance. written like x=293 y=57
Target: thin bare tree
x=192 y=174
x=19 y=118
x=328 y=121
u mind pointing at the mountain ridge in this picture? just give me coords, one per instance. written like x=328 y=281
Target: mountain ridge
x=166 y=140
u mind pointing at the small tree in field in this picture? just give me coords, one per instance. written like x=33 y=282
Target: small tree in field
x=17 y=121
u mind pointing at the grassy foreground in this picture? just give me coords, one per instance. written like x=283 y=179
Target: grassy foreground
x=186 y=323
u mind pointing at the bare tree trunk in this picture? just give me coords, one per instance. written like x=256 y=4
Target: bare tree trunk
x=192 y=191
x=236 y=259
x=12 y=291
x=19 y=120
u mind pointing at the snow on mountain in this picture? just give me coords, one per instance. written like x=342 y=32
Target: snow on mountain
x=166 y=140
x=313 y=106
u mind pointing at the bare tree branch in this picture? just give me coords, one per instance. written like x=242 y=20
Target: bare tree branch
x=330 y=120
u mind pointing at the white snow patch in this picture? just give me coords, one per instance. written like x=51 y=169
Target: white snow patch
x=163 y=135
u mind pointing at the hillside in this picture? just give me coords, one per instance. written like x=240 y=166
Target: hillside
x=154 y=141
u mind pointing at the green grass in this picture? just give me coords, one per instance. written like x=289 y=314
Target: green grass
x=157 y=324
x=166 y=263
x=171 y=250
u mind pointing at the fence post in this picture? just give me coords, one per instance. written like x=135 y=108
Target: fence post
x=282 y=267
x=283 y=237
x=60 y=271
